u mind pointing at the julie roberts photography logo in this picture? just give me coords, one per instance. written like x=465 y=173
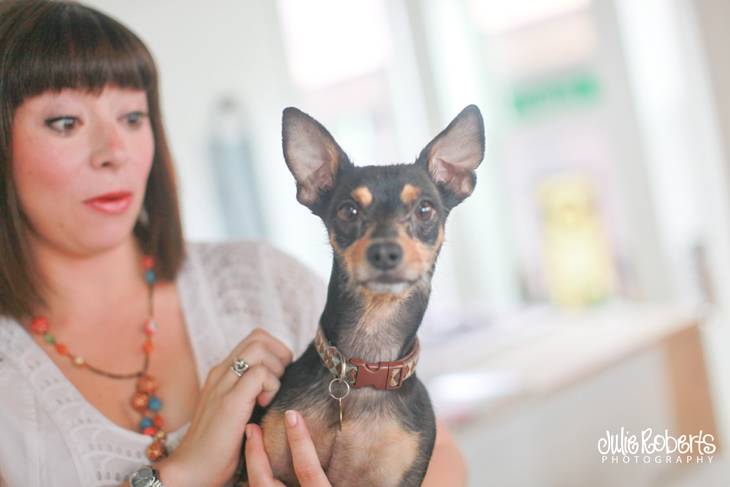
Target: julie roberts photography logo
x=648 y=446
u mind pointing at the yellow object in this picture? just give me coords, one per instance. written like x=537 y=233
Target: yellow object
x=577 y=259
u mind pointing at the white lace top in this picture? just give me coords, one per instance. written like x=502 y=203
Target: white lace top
x=51 y=436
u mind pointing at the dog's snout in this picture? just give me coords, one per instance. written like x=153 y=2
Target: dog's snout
x=385 y=256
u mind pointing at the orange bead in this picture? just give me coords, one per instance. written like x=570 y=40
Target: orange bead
x=148 y=262
x=156 y=450
x=139 y=401
x=39 y=325
x=150 y=327
x=147 y=346
x=147 y=384
x=159 y=422
x=150 y=431
x=61 y=348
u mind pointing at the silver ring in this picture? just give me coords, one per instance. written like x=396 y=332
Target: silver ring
x=239 y=367
x=337 y=380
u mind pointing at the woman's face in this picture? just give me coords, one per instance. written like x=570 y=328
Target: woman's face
x=72 y=146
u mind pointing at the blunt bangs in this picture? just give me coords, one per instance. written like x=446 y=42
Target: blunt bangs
x=51 y=45
x=64 y=45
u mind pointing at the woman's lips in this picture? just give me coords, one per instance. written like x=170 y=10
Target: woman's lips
x=111 y=204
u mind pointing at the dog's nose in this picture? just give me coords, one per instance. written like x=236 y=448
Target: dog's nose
x=385 y=256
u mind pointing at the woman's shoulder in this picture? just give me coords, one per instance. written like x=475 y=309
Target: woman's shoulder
x=16 y=398
x=238 y=255
x=15 y=351
x=18 y=425
x=256 y=283
x=247 y=265
x=13 y=405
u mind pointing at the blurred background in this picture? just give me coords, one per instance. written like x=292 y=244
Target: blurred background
x=584 y=289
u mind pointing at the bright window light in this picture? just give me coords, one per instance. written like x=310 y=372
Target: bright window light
x=328 y=41
x=498 y=16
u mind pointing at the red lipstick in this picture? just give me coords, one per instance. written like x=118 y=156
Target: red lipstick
x=113 y=203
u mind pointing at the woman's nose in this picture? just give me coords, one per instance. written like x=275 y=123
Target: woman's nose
x=109 y=145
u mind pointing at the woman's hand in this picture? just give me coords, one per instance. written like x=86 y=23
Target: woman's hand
x=304 y=457
x=447 y=465
x=209 y=452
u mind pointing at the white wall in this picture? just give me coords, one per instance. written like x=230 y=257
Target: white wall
x=205 y=50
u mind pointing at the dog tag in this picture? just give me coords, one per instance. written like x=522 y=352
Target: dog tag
x=341 y=413
x=339 y=389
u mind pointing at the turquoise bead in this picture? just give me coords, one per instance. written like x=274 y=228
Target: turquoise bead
x=149 y=276
x=145 y=423
x=154 y=403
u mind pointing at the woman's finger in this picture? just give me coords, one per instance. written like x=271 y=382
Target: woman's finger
x=304 y=455
x=257 y=462
x=275 y=345
x=255 y=354
x=258 y=339
x=258 y=382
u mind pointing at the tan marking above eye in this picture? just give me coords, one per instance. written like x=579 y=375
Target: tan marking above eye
x=409 y=193
x=362 y=195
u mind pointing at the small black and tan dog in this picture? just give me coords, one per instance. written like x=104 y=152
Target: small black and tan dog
x=386 y=227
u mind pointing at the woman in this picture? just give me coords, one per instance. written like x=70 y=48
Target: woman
x=92 y=260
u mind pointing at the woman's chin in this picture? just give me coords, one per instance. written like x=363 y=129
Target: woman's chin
x=105 y=236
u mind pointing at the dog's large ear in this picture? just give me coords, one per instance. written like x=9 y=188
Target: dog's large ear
x=453 y=155
x=312 y=155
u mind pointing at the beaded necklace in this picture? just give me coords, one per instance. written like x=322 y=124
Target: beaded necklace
x=145 y=400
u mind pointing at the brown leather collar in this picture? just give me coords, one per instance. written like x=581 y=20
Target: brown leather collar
x=359 y=373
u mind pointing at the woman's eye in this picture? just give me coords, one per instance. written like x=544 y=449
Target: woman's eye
x=62 y=125
x=425 y=211
x=348 y=212
x=135 y=119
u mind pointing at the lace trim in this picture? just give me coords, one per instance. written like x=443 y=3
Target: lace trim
x=93 y=440
x=225 y=289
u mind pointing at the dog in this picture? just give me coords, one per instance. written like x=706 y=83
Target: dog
x=370 y=417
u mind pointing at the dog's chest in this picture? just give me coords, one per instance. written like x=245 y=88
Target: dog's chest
x=373 y=448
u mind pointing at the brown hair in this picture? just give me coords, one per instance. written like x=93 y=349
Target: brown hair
x=48 y=45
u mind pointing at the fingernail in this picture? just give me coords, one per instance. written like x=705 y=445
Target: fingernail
x=291 y=418
x=248 y=431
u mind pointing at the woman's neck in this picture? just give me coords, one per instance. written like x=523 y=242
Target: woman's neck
x=90 y=290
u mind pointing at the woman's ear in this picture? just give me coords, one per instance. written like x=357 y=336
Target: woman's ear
x=312 y=155
x=453 y=155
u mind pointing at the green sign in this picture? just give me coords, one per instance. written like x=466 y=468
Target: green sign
x=556 y=95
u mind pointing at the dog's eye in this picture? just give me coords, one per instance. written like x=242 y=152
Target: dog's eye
x=348 y=212
x=425 y=211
